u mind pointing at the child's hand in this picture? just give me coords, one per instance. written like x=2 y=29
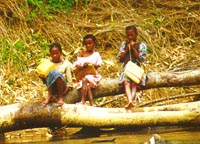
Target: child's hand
x=86 y=64
x=131 y=43
x=79 y=66
x=41 y=76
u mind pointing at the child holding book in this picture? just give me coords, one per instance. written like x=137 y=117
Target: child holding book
x=137 y=52
x=58 y=80
x=85 y=58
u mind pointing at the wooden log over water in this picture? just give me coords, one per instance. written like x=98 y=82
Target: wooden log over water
x=34 y=115
x=110 y=87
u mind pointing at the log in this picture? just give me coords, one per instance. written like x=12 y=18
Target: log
x=110 y=86
x=34 y=115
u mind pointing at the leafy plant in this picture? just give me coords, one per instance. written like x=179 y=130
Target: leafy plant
x=18 y=55
x=46 y=7
x=4 y=51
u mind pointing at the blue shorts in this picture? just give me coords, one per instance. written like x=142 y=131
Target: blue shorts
x=52 y=77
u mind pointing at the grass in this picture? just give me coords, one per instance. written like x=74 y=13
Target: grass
x=169 y=28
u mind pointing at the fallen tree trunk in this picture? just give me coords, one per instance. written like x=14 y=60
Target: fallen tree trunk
x=110 y=87
x=34 y=115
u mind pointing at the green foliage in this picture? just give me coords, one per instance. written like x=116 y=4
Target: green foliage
x=62 y=4
x=157 y=19
x=19 y=55
x=4 y=51
x=38 y=3
x=13 y=54
x=47 y=7
x=11 y=82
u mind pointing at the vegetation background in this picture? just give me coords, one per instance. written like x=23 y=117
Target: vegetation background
x=170 y=29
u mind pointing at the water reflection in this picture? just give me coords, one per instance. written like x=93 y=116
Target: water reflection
x=174 y=135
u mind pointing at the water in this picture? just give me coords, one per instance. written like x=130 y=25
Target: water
x=171 y=135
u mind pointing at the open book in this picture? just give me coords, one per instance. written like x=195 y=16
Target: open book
x=80 y=73
x=134 y=72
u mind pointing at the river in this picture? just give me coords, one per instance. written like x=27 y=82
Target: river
x=169 y=135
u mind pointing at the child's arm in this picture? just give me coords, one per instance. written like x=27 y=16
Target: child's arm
x=123 y=52
x=135 y=52
x=98 y=61
x=78 y=64
x=121 y=56
x=132 y=47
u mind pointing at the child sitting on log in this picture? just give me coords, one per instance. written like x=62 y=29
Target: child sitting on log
x=58 y=80
x=137 y=52
x=85 y=58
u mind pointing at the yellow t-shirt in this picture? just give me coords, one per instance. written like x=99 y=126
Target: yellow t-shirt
x=65 y=67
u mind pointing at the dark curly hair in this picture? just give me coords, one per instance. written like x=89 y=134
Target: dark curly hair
x=56 y=45
x=90 y=36
x=132 y=27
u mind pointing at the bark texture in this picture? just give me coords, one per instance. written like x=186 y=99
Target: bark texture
x=110 y=87
x=34 y=115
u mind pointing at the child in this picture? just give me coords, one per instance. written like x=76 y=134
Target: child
x=89 y=56
x=138 y=54
x=56 y=79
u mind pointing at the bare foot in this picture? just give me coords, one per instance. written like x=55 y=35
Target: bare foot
x=60 y=102
x=94 y=105
x=47 y=101
x=129 y=105
x=80 y=103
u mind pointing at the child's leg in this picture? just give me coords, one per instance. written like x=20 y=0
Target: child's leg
x=84 y=90
x=48 y=100
x=133 y=93
x=66 y=90
x=90 y=97
x=127 y=86
x=60 y=90
x=128 y=90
